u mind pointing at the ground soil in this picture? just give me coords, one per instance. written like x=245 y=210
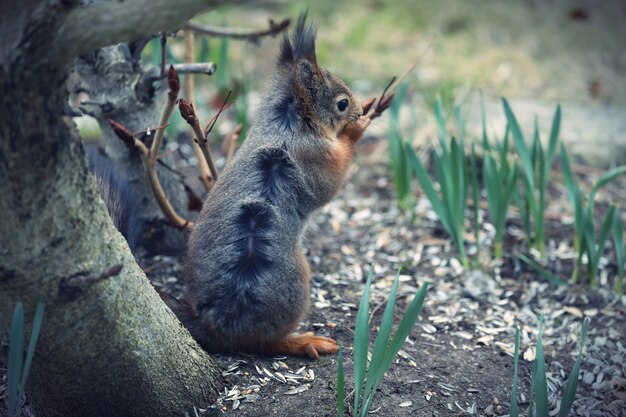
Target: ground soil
x=458 y=358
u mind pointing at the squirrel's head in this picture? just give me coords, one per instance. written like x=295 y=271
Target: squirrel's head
x=309 y=97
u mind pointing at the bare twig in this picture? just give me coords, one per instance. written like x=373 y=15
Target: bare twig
x=150 y=164
x=232 y=141
x=174 y=87
x=203 y=168
x=149 y=156
x=148 y=78
x=207 y=68
x=163 y=43
x=382 y=103
x=189 y=114
x=225 y=105
x=252 y=35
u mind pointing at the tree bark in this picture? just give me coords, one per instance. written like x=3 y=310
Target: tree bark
x=109 y=347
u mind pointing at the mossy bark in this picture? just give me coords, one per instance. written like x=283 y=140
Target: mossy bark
x=110 y=348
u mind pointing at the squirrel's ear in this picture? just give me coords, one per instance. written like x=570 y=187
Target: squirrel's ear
x=304 y=40
x=285 y=57
x=306 y=72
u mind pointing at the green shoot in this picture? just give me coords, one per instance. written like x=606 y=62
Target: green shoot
x=19 y=366
x=539 y=387
x=617 y=231
x=341 y=384
x=539 y=384
x=514 y=412
x=535 y=165
x=585 y=242
x=475 y=199
x=367 y=376
x=500 y=180
x=549 y=276
x=401 y=170
x=569 y=391
x=451 y=170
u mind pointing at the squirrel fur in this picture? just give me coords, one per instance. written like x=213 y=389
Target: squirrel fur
x=118 y=194
x=247 y=282
x=246 y=279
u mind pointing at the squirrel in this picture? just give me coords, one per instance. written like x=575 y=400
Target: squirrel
x=246 y=279
x=122 y=203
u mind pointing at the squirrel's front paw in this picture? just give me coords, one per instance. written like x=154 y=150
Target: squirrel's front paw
x=354 y=130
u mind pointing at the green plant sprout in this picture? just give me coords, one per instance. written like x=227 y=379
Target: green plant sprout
x=18 y=365
x=585 y=241
x=619 y=247
x=500 y=181
x=539 y=386
x=400 y=166
x=535 y=166
x=452 y=173
x=368 y=375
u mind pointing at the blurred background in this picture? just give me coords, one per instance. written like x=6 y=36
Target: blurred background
x=535 y=53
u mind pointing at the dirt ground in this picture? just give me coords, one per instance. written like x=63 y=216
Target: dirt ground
x=458 y=358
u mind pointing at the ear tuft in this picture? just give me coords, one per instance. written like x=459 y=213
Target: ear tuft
x=302 y=44
x=304 y=40
x=286 y=52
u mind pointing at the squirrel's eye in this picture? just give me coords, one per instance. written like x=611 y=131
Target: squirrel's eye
x=342 y=105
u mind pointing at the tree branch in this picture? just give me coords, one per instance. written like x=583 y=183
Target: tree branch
x=87 y=28
x=149 y=156
x=203 y=168
x=273 y=29
x=144 y=84
x=189 y=114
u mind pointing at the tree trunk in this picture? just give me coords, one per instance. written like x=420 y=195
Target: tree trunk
x=107 y=346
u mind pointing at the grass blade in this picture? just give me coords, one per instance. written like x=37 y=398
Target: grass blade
x=603 y=180
x=376 y=369
x=341 y=391
x=427 y=186
x=406 y=324
x=16 y=356
x=549 y=276
x=539 y=384
x=617 y=231
x=361 y=342
x=554 y=136
x=34 y=336
x=522 y=149
x=606 y=228
x=570 y=182
x=402 y=332
x=475 y=198
x=514 y=412
x=569 y=391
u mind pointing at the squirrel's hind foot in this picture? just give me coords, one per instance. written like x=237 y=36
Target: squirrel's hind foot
x=306 y=344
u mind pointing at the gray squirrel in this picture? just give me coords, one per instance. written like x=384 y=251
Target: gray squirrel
x=246 y=279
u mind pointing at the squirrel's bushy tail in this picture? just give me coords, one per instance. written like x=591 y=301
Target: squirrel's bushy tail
x=121 y=201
